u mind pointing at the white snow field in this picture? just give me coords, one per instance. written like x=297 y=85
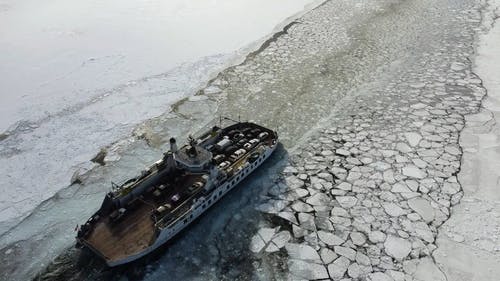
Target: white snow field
x=78 y=75
x=469 y=243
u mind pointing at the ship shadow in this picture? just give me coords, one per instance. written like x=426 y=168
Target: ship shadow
x=217 y=242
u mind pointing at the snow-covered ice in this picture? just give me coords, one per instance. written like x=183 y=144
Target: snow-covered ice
x=76 y=76
x=469 y=243
x=369 y=103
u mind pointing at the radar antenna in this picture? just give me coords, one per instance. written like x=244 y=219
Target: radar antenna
x=192 y=149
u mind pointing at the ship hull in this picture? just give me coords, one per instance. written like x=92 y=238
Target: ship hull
x=169 y=232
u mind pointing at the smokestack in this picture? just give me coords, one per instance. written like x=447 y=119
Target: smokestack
x=173 y=145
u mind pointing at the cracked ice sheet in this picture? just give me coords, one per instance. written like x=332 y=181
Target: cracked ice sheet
x=77 y=75
x=85 y=46
x=468 y=244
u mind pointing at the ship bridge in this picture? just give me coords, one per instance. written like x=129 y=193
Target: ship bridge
x=194 y=158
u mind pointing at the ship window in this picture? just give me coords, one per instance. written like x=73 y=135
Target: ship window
x=204 y=205
x=185 y=221
x=191 y=216
x=220 y=192
x=209 y=200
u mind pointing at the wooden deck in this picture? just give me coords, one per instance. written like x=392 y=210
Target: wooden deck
x=129 y=236
x=136 y=230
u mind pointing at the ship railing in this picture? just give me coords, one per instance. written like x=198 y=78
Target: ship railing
x=177 y=213
x=174 y=216
x=125 y=186
x=240 y=161
x=93 y=249
x=222 y=121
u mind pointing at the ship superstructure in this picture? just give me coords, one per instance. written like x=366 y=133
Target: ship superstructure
x=143 y=213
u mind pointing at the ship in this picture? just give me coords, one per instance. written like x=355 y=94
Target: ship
x=144 y=212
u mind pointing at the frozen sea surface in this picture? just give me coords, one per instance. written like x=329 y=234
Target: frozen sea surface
x=77 y=75
x=469 y=244
x=57 y=53
x=316 y=64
